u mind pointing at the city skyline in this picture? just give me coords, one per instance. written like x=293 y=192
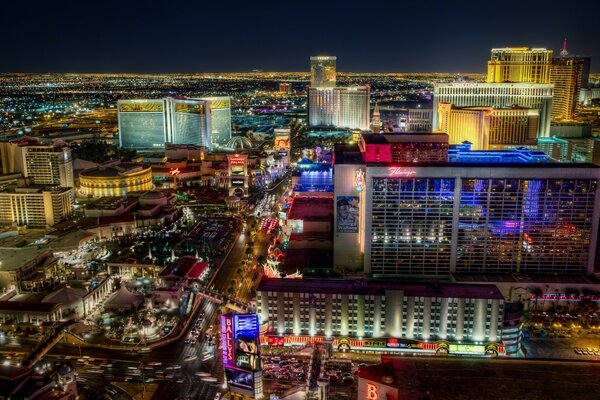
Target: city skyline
x=117 y=38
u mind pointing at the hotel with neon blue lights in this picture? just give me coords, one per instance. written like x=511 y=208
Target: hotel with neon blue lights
x=421 y=213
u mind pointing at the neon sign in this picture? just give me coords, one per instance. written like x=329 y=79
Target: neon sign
x=237 y=160
x=359 y=179
x=400 y=171
x=227 y=339
x=372 y=392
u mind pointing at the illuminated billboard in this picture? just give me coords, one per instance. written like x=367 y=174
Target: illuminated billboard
x=227 y=340
x=282 y=143
x=241 y=353
x=347 y=214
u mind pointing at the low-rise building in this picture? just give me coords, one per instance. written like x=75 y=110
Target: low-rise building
x=402 y=312
x=115 y=179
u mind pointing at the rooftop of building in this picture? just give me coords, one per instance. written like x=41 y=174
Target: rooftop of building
x=113 y=170
x=495 y=85
x=414 y=289
x=311 y=209
x=26 y=306
x=526 y=279
x=461 y=156
x=13 y=258
x=180 y=267
x=307 y=258
x=403 y=137
x=477 y=378
x=36 y=189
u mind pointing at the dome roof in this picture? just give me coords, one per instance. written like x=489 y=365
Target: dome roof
x=239 y=142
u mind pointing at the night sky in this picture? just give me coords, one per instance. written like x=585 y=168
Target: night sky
x=208 y=36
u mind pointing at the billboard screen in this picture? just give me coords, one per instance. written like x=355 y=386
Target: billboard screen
x=347 y=214
x=282 y=143
x=247 y=347
x=241 y=379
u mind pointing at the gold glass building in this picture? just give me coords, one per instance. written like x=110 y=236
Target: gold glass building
x=566 y=75
x=115 y=180
x=488 y=127
x=519 y=64
x=323 y=71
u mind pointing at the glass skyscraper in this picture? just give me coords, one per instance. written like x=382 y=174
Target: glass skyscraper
x=323 y=71
x=220 y=119
x=142 y=123
x=189 y=122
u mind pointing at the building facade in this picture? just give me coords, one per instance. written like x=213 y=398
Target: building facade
x=361 y=309
x=220 y=120
x=323 y=72
x=489 y=127
x=36 y=206
x=353 y=107
x=343 y=107
x=492 y=215
x=189 y=122
x=149 y=124
x=567 y=77
x=115 y=180
x=322 y=107
x=497 y=95
x=43 y=164
x=519 y=64
x=143 y=124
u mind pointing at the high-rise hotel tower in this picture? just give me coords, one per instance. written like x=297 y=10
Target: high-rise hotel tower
x=519 y=64
x=331 y=106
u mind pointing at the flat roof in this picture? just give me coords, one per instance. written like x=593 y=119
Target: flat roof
x=311 y=209
x=26 y=306
x=461 y=378
x=337 y=286
x=13 y=258
x=404 y=137
x=180 y=267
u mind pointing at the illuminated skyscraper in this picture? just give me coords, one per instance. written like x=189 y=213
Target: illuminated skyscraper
x=353 y=106
x=323 y=71
x=322 y=107
x=488 y=127
x=567 y=77
x=149 y=124
x=497 y=95
x=142 y=123
x=189 y=122
x=43 y=164
x=219 y=108
x=494 y=212
x=519 y=64
x=343 y=107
